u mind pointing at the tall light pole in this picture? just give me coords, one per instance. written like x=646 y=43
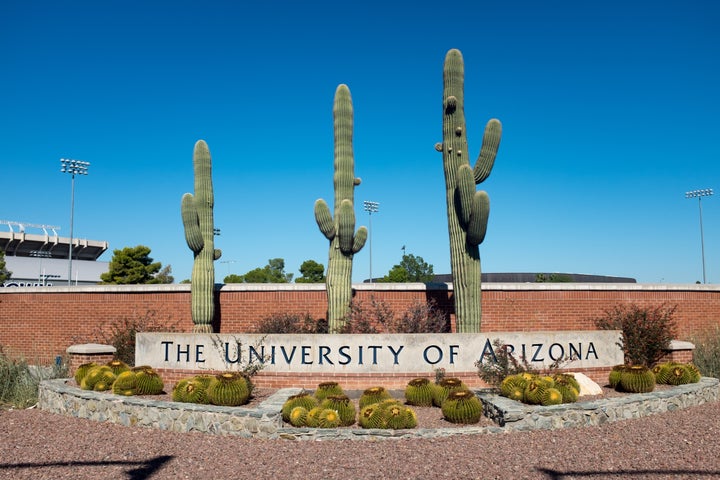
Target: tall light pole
x=370 y=207
x=699 y=194
x=73 y=167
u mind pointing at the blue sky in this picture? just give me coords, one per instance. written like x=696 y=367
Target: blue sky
x=609 y=112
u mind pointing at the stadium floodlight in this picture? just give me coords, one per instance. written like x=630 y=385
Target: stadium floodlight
x=370 y=207
x=706 y=192
x=73 y=167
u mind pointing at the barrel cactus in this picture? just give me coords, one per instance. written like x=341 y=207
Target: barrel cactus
x=444 y=387
x=191 y=390
x=637 y=379
x=82 y=370
x=148 y=382
x=673 y=373
x=419 y=392
x=513 y=386
x=228 y=389
x=534 y=391
x=197 y=218
x=339 y=228
x=373 y=395
x=298 y=417
x=615 y=374
x=371 y=416
x=98 y=374
x=118 y=366
x=552 y=396
x=328 y=418
x=125 y=383
x=343 y=406
x=467 y=209
x=325 y=389
x=302 y=399
x=462 y=406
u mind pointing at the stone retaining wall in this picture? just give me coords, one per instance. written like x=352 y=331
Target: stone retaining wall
x=265 y=421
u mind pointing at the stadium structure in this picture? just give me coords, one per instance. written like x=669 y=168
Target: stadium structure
x=41 y=259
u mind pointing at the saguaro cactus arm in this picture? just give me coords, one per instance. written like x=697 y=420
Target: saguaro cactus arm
x=191 y=222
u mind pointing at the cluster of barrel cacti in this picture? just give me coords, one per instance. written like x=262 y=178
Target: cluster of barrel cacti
x=673 y=373
x=330 y=407
x=641 y=379
x=535 y=389
x=228 y=389
x=457 y=402
x=117 y=376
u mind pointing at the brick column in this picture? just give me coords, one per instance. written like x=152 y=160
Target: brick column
x=89 y=352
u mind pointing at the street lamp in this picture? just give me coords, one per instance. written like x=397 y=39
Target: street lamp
x=72 y=167
x=370 y=207
x=699 y=194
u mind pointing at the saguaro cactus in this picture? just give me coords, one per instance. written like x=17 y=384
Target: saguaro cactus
x=340 y=228
x=467 y=209
x=197 y=217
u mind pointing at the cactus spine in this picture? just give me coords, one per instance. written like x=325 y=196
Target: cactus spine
x=467 y=209
x=340 y=228
x=197 y=217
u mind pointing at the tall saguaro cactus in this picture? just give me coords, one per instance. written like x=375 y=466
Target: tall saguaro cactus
x=468 y=209
x=197 y=217
x=340 y=228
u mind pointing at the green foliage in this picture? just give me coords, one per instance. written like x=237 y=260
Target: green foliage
x=553 y=278
x=291 y=323
x=462 y=406
x=646 y=331
x=273 y=272
x=339 y=226
x=121 y=333
x=706 y=355
x=467 y=209
x=132 y=265
x=233 y=278
x=5 y=274
x=19 y=380
x=165 y=275
x=312 y=272
x=410 y=269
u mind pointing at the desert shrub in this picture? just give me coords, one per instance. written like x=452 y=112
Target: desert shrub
x=291 y=323
x=421 y=317
x=19 y=380
x=493 y=370
x=121 y=333
x=706 y=356
x=646 y=331
x=378 y=317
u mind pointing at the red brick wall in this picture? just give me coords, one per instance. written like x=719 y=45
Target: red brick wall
x=40 y=323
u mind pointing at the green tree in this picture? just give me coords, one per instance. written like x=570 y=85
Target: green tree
x=5 y=274
x=132 y=265
x=410 y=269
x=312 y=272
x=273 y=272
x=233 y=278
x=165 y=275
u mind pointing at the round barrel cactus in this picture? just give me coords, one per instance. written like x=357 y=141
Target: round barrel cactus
x=343 y=406
x=462 y=406
x=637 y=379
x=373 y=395
x=419 y=392
x=326 y=389
x=302 y=399
x=444 y=387
x=228 y=389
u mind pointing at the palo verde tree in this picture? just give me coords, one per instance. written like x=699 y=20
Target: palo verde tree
x=312 y=272
x=5 y=274
x=339 y=228
x=467 y=209
x=132 y=265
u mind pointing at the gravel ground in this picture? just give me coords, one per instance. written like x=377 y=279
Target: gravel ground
x=684 y=444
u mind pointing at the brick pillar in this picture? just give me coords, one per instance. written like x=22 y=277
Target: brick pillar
x=89 y=352
x=679 y=352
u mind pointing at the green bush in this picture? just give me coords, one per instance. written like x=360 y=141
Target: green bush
x=646 y=331
x=706 y=356
x=19 y=380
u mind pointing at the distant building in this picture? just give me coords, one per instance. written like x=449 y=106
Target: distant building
x=41 y=259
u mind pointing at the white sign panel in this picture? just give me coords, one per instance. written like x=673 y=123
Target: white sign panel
x=377 y=353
